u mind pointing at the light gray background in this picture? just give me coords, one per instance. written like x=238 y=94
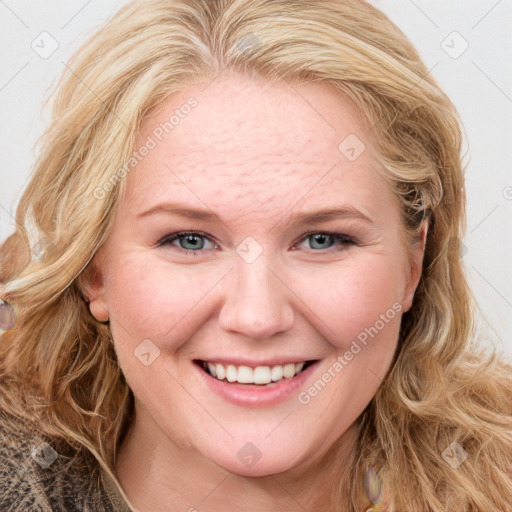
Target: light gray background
x=478 y=80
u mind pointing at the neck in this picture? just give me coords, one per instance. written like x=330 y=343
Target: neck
x=155 y=472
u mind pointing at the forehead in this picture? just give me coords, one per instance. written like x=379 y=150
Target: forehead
x=254 y=144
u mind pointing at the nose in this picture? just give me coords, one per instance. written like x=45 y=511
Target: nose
x=257 y=302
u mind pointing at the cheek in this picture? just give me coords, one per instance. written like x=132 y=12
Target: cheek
x=149 y=297
x=356 y=298
x=165 y=302
x=362 y=309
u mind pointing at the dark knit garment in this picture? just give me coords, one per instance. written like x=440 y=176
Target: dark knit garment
x=36 y=476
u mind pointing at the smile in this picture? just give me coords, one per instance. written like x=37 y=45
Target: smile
x=255 y=385
x=253 y=375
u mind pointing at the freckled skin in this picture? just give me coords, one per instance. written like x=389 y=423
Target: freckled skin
x=254 y=154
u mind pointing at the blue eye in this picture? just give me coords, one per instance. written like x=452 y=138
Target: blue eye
x=331 y=239
x=188 y=240
x=194 y=241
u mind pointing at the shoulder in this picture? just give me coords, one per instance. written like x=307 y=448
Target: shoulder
x=18 y=490
x=39 y=475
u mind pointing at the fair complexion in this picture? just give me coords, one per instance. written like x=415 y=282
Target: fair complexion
x=257 y=156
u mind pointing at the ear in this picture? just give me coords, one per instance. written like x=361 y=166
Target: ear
x=93 y=289
x=415 y=267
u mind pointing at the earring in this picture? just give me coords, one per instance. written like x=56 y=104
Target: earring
x=373 y=488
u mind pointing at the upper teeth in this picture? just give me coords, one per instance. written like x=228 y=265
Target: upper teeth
x=258 y=375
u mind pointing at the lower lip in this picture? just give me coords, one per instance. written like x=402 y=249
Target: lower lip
x=256 y=395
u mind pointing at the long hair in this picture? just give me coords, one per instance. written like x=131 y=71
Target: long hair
x=58 y=367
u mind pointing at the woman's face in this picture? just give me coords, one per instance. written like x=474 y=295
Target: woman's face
x=264 y=281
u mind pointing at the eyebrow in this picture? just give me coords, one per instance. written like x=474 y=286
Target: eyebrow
x=305 y=217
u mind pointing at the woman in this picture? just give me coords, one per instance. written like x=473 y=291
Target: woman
x=236 y=279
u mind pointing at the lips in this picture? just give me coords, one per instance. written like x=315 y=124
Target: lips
x=253 y=374
x=251 y=394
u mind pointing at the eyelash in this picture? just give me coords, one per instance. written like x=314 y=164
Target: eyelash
x=339 y=239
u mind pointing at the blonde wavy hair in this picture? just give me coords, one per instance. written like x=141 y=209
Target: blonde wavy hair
x=58 y=367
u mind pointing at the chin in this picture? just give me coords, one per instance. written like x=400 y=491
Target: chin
x=257 y=459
